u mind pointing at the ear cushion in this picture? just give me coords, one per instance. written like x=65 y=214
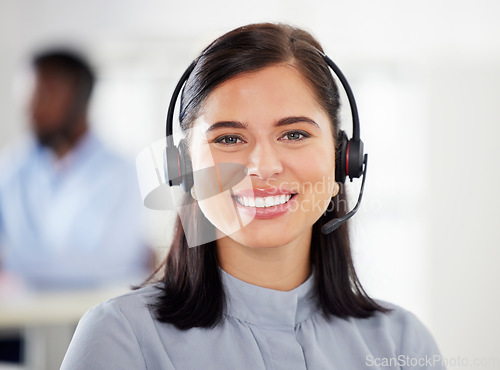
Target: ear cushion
x=354 y=159
x=171 y=163
x=341 y=157
x=186 y=166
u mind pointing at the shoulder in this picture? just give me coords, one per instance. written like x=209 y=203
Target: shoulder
x=97 y=158
x=400 y=331
x=130 y=310
x=401 y=323
x=107 y=159
x=14 y=156
x=130 y=306
x=113 y=333
x=104 y=147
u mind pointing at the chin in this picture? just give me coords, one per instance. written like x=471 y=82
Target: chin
x=256 y=236
x=259 y=243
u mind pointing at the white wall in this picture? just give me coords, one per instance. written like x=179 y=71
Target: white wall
x=426 y=76
x=463 y=207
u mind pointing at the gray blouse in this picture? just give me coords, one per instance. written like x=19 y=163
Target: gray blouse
x=262 y=329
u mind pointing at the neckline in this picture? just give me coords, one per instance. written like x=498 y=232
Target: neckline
x=262 y=306
x=85 y=145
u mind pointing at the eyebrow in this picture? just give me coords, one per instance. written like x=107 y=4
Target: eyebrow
x=221 y=124
x=282 y=122
x=290 y=120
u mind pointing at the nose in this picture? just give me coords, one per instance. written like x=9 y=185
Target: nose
x=264 y=161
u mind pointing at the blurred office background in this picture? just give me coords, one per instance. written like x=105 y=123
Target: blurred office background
x=426 y=76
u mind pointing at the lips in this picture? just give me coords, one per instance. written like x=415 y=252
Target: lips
x=264 y=203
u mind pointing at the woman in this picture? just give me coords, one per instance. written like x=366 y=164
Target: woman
x=269 y=290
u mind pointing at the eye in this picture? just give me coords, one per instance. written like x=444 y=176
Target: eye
x=228 y=140
x=295 y=135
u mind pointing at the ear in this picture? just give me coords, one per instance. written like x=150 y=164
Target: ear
x=193 y=193
x=336 y=189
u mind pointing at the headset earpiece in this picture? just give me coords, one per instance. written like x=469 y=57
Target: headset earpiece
x=186 y=167
x=172 y=165
x=178 y=167
x=340 y=157
x=349 y=158
x=354 y=158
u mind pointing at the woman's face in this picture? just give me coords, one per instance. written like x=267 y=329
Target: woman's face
x=270 y=122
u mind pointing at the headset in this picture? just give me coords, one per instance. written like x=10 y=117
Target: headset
x=350 y=160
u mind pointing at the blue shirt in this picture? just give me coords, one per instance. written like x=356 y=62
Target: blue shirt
x=69 y=222
x=262 y=329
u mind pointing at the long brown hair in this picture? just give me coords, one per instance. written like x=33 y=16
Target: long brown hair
x=191 y=291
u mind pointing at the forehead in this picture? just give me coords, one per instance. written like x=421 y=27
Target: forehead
x=272 y=91
x=54 y=75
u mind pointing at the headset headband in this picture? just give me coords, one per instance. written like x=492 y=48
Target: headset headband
x=329 y=62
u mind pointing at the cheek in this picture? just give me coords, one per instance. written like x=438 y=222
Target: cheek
x=211 y=183
x=212 y=179
x=315 y=169
x=51 y=110
x=199 y=150
x=201 y=159
x=202 y=156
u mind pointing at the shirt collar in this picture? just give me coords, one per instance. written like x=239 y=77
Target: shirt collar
x=84 y=148
x=258 y=305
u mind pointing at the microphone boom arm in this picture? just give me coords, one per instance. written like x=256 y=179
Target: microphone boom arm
x=334 y=224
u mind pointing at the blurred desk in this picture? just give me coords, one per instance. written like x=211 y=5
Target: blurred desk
x=48 y=320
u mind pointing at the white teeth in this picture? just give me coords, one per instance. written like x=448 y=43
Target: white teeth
x=261 y=202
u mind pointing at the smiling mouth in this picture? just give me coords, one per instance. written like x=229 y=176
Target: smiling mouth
x=264 y=202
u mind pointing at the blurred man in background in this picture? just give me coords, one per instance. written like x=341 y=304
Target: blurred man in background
x=70 y=211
